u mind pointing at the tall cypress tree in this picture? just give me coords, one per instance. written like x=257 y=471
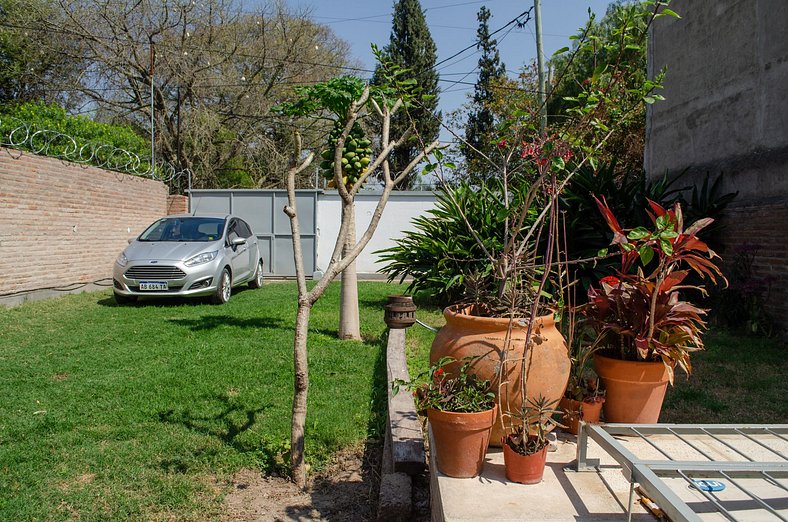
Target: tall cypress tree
x=479 y=131
x=411 y=47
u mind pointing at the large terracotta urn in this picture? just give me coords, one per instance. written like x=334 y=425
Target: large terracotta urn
x=547 y=361
x=635 y=390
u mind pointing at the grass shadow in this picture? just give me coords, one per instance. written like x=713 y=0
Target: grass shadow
x=378 y=400
x=223 y=425
x=160 y=302
x=211 y=322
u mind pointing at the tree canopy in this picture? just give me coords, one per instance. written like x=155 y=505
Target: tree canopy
x=480 y=128
x=411 y=47
x=212 y=69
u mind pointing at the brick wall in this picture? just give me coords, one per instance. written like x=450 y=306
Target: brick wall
x=177 y=204
x=62 y=223
x=763 y=227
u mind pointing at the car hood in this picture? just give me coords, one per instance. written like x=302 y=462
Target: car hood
x=169 y=250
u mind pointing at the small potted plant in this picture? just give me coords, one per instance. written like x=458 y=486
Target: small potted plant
x=525 y=448
x=461 y=411
x=643 y=328
x=584 y=395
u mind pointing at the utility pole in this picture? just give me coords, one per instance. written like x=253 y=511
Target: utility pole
x=540 y=65
x=152 y=131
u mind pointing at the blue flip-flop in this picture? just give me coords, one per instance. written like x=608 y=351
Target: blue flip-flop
x=708 y=485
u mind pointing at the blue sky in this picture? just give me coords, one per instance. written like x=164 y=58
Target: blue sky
x=453 y=26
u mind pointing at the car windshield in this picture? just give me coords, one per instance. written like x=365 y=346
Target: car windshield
x=184 y=229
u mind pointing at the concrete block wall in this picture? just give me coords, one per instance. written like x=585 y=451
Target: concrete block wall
x=725 y=112
x=63 y=224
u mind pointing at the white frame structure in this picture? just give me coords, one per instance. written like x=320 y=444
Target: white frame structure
x=770 y=439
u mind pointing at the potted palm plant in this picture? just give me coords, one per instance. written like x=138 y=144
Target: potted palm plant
x=461 y=411
x=643 y=328
x=525 y=449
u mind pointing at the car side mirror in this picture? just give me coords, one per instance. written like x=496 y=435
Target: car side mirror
x=131 y=239
x=237 y=241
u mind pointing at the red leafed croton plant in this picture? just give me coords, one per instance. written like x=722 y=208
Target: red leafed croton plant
x=640 y=315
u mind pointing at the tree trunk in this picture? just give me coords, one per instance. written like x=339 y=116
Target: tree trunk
x=348 y=299
x=301 y=387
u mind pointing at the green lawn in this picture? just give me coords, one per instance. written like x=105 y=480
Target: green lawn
x=144 y=411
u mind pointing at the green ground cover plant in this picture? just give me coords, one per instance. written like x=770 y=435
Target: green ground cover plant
x=145 y=411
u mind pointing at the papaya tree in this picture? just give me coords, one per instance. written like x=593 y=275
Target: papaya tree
x=349 y=162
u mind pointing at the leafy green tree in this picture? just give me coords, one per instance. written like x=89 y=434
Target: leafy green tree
x=576 y=70
x=478 y=147
x=29 y=66
x=218 y=71
x=411 y=47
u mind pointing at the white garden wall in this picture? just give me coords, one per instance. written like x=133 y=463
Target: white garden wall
x=402 y=207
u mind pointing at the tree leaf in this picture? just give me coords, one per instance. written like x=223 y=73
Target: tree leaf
x=646 y=254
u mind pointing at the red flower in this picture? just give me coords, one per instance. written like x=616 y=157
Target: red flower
x=610 y=281
x=438 y=372
x=502 y=144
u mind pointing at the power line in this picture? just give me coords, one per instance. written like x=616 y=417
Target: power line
x=516 y=20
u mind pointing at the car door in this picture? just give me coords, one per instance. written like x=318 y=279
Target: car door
x=252 y=250
x=239 y=254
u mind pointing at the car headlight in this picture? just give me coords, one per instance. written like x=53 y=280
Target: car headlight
x=122 y=260
x=199 y=259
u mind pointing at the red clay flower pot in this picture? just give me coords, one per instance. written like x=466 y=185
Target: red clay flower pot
x=574 y=411
x=525 y=469
x=461 y=440
x=634 y=390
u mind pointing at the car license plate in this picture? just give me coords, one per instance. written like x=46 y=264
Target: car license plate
x=153 y=285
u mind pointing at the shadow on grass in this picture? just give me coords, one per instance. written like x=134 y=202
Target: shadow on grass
x=378 y=399
x=166 y=301
x=210 y=322
x=233 y=420
x=160 y=302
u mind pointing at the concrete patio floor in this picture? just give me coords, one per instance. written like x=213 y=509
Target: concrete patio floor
x=572 y=496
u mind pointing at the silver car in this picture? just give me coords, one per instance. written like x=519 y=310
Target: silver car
x=189 y=256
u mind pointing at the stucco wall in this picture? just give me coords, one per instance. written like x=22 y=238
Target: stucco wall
x=402 y=207
x=726 y=108
x=726 y=111
x=62 y=225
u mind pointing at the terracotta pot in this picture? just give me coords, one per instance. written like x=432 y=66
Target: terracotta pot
x=548 y=363
x=525 y=469
x=634 y=390
x=461 y=440
x=575 y=411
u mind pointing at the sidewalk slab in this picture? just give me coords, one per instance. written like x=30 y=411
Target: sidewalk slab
x=561 y=496
x=567 y=495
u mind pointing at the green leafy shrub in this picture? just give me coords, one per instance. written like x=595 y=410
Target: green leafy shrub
x=440 y=252
x=587 y=233
x=50 y=131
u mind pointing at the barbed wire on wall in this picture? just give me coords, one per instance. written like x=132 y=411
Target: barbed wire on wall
x=23 y=136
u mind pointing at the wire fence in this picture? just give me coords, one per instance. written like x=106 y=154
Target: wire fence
x=24 y=136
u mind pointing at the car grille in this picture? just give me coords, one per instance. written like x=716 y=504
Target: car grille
x=157 y=272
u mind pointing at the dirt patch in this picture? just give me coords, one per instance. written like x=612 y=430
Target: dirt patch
x=346 y=491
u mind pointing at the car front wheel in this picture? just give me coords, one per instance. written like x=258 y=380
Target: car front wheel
x=257 y=281
x=224 y=289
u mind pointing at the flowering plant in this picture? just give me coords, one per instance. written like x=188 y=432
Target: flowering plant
x=460 y=391
x=640 y=316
